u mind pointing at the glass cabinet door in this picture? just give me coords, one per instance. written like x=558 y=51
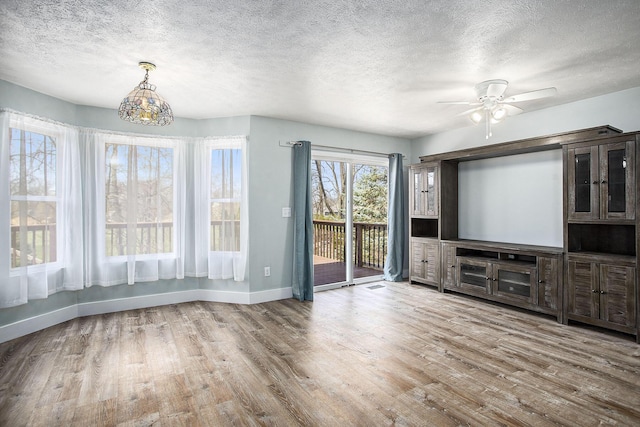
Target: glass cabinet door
x=417 y=202
x=425 y=191
x=431 y=194
x=617 y=178
x=473 y=274
x=583 y=183
x=515 y=282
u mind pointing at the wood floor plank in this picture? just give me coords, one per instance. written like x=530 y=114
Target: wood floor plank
x=399 y=354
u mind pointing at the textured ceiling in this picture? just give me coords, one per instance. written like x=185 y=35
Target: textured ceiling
x=377 y=66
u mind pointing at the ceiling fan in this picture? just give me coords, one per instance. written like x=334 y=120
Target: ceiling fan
x=492 y=105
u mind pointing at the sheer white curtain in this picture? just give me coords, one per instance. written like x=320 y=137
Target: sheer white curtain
x=83 y=207
x=134 y=208
x=221 y=207
x=40 y=209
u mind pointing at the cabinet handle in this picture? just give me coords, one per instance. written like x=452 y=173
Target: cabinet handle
x=540 y=281
x=425 y=261
x=604 y=181
x=594 y=291
x=602 y=292
x=487 y=278
x=595 y=182
x=494 y=279
x=453 y=266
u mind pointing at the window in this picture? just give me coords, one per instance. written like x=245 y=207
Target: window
x=138 y=199
x=226 y=189
x=32 y=198
x=221 y=180
x=134 y=204
x=41 y=212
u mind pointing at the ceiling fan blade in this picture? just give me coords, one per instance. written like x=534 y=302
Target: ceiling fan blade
x=512 y=110
x=536 y=94
x=464 y=113
x=496 y=90
x=459 y=102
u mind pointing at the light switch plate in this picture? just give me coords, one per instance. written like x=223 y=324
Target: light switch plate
x=286 y=212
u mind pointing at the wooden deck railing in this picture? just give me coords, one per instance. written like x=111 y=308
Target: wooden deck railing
x=41 y=244
x=369 y=249
x=151 y=238
x=370 y=242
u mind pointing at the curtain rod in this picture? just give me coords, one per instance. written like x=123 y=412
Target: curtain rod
x=329 y=148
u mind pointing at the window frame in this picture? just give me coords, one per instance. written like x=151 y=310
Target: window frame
x=57 y=136
x=139 y=141
x=222 y=146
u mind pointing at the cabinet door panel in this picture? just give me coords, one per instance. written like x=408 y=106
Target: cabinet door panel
x=584 y=188
x=548 y=282
x=417 y=257
x=432 y=262
x=583 y=289
x=424 y=195
x=417 y=199
x=515 y=282
x=617 y=294
x=617 y=180
x=448 y=265
x=431 y=194
x=473 y=275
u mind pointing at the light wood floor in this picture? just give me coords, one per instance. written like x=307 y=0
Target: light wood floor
x=399 y=354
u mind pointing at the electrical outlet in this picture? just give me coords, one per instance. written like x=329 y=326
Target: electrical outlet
x=267 y=271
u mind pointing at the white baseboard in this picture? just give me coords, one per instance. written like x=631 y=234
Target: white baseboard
x=134 y=303
x=33 y=324
x=270 y=295
x=43 y=321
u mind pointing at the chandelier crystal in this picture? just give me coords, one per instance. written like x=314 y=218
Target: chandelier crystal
x=144 y=105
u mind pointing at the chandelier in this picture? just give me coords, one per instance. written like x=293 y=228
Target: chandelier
x=143 y=105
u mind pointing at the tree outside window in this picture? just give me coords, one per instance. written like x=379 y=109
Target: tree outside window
x=226 y=188
x=139 y=199
x=33 y=198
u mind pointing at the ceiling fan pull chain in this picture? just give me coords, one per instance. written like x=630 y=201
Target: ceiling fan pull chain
x=488 y=120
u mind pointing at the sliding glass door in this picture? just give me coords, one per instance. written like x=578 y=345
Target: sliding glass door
x=349 y=218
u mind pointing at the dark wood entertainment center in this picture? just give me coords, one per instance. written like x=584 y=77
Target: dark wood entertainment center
x=592 y=279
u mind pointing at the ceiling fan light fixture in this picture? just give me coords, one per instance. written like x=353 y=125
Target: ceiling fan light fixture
x=143 y=105
x=498 y=114
x=492 y=106
x=476 y=117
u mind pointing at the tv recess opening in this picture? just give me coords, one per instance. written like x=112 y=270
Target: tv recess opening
x=512 y=199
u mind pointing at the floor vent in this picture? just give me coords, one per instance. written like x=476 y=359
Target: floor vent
x=375 y=287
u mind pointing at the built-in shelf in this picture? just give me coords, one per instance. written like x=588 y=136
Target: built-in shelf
x=614 y=239
x=496 y=255
x=424 y=227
